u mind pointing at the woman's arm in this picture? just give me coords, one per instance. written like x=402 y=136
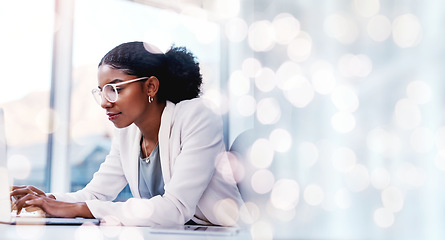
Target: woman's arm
x=105 y=185
x=107 y=182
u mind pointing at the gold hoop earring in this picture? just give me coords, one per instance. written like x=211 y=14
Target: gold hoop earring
x=150 y=99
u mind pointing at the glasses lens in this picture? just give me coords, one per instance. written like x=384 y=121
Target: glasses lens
x=97 y=96
x=110 y=93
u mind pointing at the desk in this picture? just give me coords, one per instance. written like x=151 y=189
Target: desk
x=36 y=232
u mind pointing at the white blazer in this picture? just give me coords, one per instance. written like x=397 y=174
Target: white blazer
x=199 y=183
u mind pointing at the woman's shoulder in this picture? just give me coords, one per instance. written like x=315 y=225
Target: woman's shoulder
x=196 y=115
x=196 y=111
x=196 y=106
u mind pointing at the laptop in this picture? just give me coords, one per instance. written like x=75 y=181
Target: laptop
x=195 y=230
x=6 y=216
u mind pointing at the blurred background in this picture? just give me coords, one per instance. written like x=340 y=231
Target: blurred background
x=337 y=103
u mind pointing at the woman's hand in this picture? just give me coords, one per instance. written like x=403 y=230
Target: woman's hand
x=29 y=197
x=19 y=194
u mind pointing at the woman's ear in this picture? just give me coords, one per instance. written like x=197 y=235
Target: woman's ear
x=152 y=86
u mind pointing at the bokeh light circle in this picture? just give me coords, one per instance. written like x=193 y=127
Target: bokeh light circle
x=236 y=29
x=407 y=31
x=300 y=48
x=344 y=159
x=223 y=8
x=323 y=78
x=299 y=92
x=343 y=122
x=268 y=111
x=265 y=80
x=314 y=194
x=262 y=181
x=281 y=140
x=383 y=217
x=262 y=230
x=261 y=153
x=419 y=92
x=261 y=36
x=379 y=28
x=355 y=66
x=367 y=8
x=392 y=199
x=249 y=212
x=407 y=114
x=286 y=72
x=251 y=67
x=285 y=194
x=345 y=99
x=342 y=28
x=286 y=28
x=380 y=178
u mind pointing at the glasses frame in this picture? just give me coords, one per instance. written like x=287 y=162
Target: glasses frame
x=113 y=85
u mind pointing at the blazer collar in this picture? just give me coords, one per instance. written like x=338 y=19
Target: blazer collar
x=164 y=137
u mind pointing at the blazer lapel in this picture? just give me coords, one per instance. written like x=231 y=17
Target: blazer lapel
x=133 y=162
x=164 y=139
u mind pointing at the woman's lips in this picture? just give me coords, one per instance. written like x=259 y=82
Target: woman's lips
x=113 y=116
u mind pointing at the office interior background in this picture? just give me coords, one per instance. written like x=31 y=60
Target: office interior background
x=341 y=102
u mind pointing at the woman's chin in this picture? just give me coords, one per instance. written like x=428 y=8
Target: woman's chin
x=120 y=125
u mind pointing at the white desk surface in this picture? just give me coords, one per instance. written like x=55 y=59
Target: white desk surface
x=36 y=232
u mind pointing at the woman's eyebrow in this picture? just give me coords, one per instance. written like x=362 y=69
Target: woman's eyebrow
x=113 y=82
x=116 y=81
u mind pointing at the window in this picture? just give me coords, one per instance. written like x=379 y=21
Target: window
x=26 y=71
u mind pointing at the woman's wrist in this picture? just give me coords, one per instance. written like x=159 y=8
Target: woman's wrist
x=51 y=196
x=83 y=210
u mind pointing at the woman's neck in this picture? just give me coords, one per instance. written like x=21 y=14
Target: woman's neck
x=151 y=122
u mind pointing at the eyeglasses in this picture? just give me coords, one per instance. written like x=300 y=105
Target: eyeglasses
x=111 y=91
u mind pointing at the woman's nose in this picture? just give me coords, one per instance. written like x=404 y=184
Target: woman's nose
x=104 y=103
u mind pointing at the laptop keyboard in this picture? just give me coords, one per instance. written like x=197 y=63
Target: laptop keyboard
x=25 y=213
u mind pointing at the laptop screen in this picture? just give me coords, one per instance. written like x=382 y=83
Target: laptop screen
x=5 y=205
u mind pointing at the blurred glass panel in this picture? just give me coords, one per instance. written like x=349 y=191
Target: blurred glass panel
x=27 y=33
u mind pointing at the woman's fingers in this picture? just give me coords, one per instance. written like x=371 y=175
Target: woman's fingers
x=52 y=207
x=17 y=187
x=32 y=208
x=34 y=202
x=34 y=199
x=36 y=190
x=21 y=191
x=25 y=196
x=21 y=203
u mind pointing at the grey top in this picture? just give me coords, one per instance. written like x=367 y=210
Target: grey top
x=151 y=182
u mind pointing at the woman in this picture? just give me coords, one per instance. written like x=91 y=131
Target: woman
x=167 y=147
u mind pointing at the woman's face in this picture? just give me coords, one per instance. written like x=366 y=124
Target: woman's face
x=132 y=100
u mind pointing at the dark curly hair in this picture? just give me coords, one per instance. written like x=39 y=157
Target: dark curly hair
x=177 y=70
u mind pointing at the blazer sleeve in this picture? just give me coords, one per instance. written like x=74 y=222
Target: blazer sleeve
x=198 y=131
x=107 y=182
